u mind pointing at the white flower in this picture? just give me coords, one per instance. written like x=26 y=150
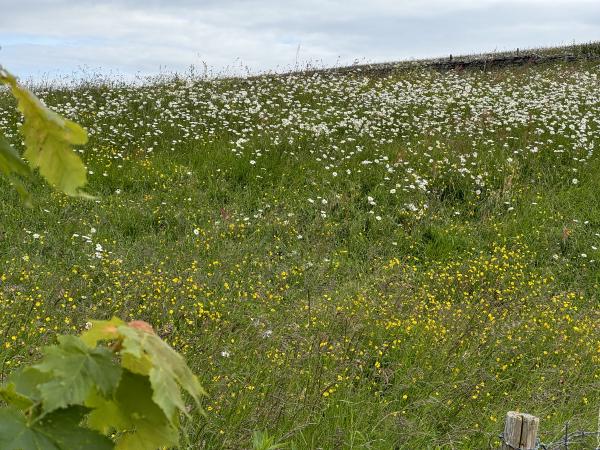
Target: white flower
x=574 y=181
x=196 y=231
x=225 y=354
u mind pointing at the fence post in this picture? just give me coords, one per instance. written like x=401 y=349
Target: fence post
x=520 y=431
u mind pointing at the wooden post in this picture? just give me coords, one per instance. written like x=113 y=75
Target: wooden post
x=520 y=431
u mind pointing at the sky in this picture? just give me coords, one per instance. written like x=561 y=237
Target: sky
x=47 y=38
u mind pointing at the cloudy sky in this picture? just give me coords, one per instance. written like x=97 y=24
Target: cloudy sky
x=148 y=36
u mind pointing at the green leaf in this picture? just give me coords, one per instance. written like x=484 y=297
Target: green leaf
x=10 y=395
x=76 y=372
x=10 y=161
x=49 y=139
x=102 y=330
x=168 y=370
x=133 y=356
x=59 y=430
x=63 y=427
x=166 y=392
x=141 y=365
x=15 y=434
x=27 y=380
x=140 y=423
x=11 y=165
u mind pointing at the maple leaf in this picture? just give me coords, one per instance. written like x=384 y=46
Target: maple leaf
x=166 y=368
x=10 y=161
x=48 y=141
x=143 y=352
x=26 y=382
x=141 y=424
x=10 y=395
x=11 y=164
x=59 y=430
x=102 y=330
x=77 y=371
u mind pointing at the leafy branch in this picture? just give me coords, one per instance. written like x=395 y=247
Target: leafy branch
x=49 y=140
x=118 y=386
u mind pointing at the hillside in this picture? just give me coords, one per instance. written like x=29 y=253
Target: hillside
x=348 y=259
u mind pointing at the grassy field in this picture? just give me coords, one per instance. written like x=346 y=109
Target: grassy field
x=348 y=261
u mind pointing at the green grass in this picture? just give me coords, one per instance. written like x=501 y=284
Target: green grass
x=347 y=262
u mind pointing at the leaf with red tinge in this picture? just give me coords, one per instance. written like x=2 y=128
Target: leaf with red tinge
x=102 y=330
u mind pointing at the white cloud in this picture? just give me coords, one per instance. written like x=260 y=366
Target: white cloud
x=138 y=35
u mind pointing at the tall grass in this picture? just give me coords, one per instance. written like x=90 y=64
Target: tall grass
x=347 y=261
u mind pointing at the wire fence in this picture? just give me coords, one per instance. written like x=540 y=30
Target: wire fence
x=567 y=441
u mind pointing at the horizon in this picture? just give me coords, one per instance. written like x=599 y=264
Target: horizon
x=128 y=38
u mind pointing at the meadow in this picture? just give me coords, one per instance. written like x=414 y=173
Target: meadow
x=347 y=260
